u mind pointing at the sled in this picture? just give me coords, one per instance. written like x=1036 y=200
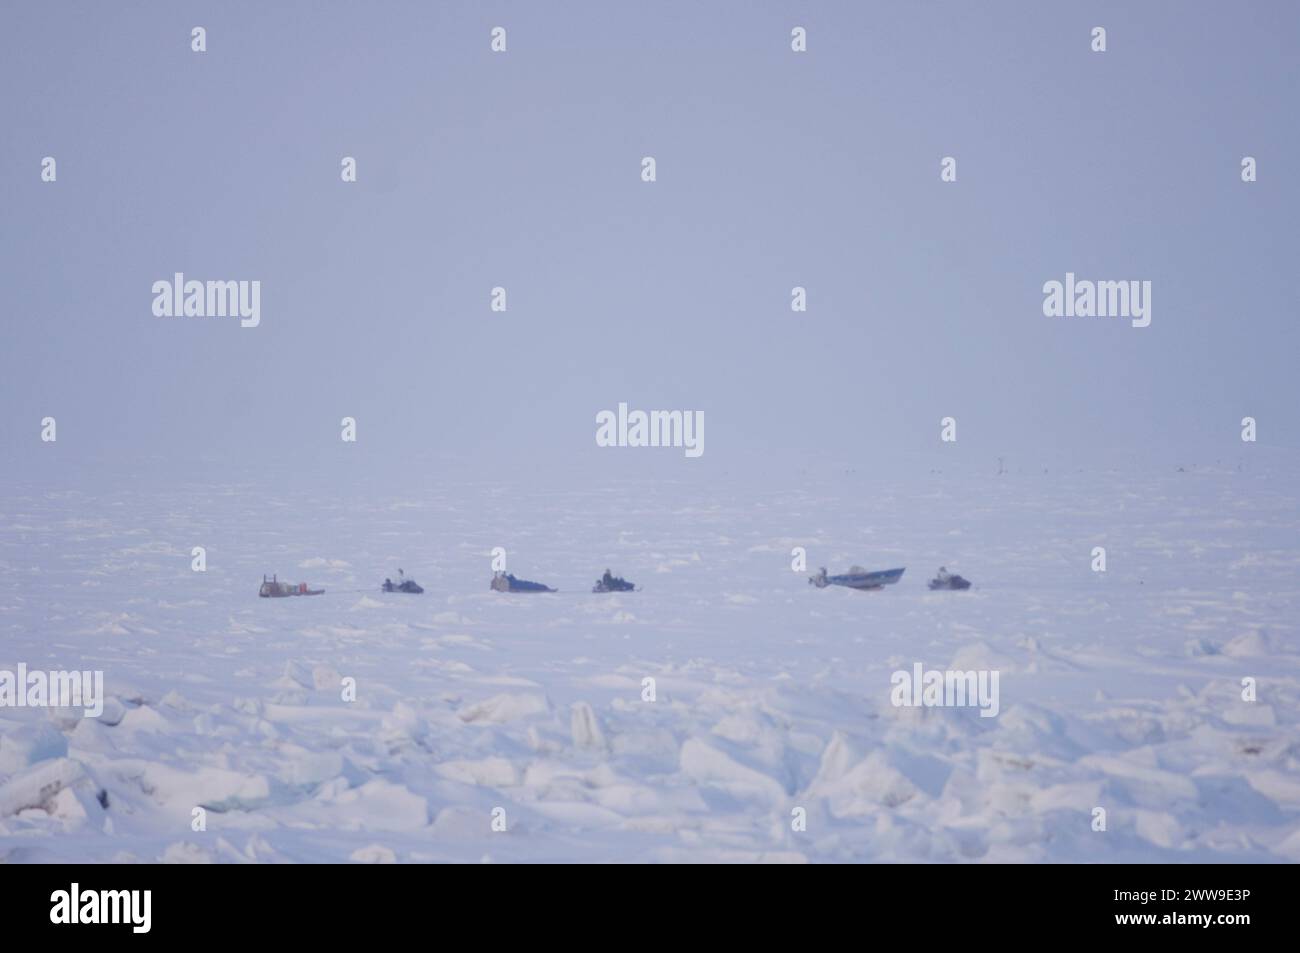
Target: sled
x=274 y=589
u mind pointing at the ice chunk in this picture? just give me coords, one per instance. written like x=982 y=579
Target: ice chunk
x=373 y=854
x=709 y=766
x=585 y=728
x=502 y=708
x=36 y=786
x=28 y=744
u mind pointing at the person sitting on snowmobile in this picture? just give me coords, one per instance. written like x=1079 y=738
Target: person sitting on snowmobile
x=948 y=580
x=612 y=583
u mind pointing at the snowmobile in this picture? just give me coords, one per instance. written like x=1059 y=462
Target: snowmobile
x=403 y=584
x=505 y=582
x=273 y=588
x=950 y=581
x=857 y=578
x=610 y=583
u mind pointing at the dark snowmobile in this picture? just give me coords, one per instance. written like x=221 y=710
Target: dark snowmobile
x=610 y=583
x=505 y=582
x=403 y=584
x=949 y=581
x=273 y=588
x=857 y=578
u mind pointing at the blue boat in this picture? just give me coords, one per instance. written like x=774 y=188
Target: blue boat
x=857 y=578
x=505 y=582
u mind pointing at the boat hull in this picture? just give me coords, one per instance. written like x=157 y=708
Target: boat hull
x=861 y=580
x=507 y=583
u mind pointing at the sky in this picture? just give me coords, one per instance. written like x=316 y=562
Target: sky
x=522 y=170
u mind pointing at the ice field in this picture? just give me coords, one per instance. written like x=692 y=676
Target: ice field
x=1119 y=690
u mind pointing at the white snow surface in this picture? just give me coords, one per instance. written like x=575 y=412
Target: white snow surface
x=1119 y=690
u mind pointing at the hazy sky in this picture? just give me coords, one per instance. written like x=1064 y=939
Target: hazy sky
x=522 y=170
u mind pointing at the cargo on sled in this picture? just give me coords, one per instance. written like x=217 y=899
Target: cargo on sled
x=274 y=589
x=505 y=582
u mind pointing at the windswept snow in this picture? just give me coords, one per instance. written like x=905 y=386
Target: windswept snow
x=515 y=727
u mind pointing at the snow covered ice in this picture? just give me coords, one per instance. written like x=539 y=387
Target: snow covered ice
x=1120 y=689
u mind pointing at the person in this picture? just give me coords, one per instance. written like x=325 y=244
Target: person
x=943 y=574
x=607 y=579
